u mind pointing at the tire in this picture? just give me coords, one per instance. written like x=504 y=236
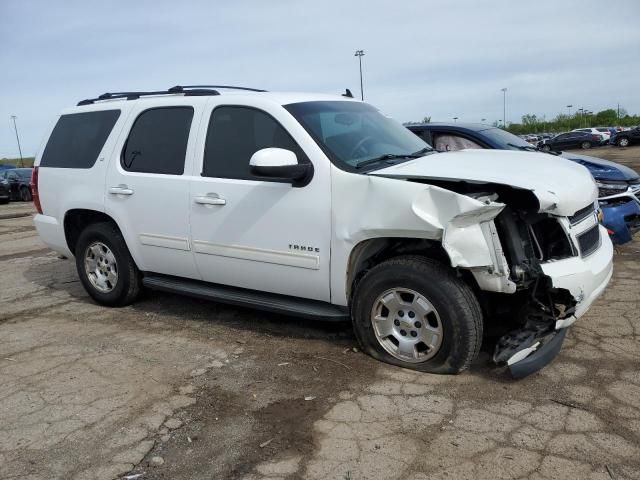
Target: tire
x=25 y=194
x=120 y=283
x=585 y=145
x=545 y=148
x=457 y=314
x=623 y=142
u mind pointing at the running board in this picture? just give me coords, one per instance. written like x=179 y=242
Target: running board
x=269 y=302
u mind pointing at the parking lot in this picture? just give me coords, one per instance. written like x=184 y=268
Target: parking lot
x=176 y=388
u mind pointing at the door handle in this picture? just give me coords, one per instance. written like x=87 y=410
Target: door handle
x=210 y=199
x=121 y=190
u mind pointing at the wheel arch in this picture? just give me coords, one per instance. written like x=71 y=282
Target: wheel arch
x=370 y=252
x=77 y=219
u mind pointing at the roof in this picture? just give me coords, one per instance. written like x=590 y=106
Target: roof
x=477 y=127
x=194 y=92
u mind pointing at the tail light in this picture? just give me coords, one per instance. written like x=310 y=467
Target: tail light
x=597 y=137
x=34 y=190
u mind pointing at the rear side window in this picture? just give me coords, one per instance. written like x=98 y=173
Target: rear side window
x=78 y=138
x=235 y=134
x=158 y=140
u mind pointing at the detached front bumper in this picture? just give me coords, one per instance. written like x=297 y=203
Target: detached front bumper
x=622 y=218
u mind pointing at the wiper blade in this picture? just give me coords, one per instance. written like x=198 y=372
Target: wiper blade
x=527 y=148
x=386 y=156
x=422 y=151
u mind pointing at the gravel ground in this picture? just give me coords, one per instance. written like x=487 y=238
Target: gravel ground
x=175 y=388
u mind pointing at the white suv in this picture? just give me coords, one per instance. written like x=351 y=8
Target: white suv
x=320 y=206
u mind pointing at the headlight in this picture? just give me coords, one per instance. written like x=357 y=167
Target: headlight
x=607 y=189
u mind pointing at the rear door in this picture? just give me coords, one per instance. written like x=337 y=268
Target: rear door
x=147 y=188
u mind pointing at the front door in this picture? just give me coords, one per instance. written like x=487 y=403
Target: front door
x=253 y=232
x=147 y=190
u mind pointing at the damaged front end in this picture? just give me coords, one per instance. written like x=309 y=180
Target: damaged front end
x=522 y=257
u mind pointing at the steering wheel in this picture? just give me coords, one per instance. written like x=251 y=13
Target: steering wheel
x=359 y=145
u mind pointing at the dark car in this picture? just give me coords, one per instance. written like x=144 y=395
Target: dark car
x=5 y=191
x=619 y=186
x=570 y=140
x=18 y=180
x=626 y=137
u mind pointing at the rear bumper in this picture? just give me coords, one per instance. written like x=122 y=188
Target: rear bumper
x=52 y=234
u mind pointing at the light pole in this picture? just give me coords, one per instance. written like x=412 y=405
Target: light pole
x=483 y=120
x=15 y=127
x=581 y=110
x=454 y=119
x=360 y=54
x=569 y=117
x=504 y=107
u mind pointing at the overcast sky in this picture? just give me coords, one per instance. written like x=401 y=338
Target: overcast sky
x=442 y=59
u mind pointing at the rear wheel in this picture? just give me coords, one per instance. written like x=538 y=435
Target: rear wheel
x=623 y=142
x=25 y=194
x=586 y=145
x=413 y=312
x=105 y=267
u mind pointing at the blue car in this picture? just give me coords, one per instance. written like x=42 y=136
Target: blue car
x=619 y=185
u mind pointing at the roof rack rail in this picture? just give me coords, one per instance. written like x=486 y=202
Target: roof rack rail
x=195 y=91
x=180 y=88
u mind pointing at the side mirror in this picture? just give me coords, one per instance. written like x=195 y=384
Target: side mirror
x=281 y=163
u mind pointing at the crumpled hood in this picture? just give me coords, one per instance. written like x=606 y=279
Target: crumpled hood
x=561 y=187
x=602 y=169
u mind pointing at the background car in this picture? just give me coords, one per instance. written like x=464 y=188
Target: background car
x=569 y=140
x=19 y=182
x=602 y=131
x=625 y=138
x=619 y=186
x=6 y=166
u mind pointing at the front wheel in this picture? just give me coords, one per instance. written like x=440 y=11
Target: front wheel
x=105 y=267
x=413 y=312
x=586 y=145
x=623 y=142
x=545 y=148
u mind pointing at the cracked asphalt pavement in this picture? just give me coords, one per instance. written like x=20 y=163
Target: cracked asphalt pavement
x=176 y=388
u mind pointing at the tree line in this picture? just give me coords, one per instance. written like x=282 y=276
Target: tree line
x=564 y=122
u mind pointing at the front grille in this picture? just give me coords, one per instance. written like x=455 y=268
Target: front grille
x=589 y=241
x=582 y=214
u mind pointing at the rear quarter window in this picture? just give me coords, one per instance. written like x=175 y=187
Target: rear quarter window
x=78 y=138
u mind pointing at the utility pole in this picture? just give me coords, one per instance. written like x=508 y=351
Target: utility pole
x=618 y=115
x=454 y=119
x=483 y=120
x=504 y=107
x=360 y=54
x=15 y=127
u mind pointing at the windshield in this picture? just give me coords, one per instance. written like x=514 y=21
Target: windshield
x=354 y=134
x=506 y=140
